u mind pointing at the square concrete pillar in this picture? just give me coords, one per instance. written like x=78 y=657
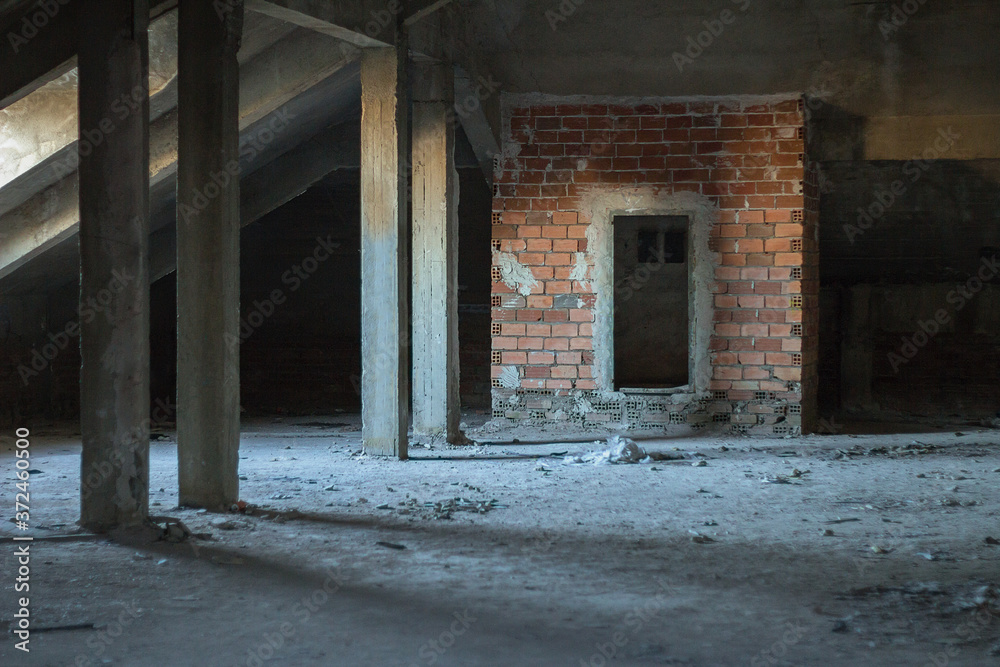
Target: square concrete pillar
x=113 y=66
x=208 y=253
x=384 y=232
x=436 y=402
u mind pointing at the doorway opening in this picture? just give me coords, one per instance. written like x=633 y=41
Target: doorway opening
x=652 y=302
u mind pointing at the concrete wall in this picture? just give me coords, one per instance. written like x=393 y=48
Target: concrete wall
x=903 y=242
x=303 y=357
x=737 y=169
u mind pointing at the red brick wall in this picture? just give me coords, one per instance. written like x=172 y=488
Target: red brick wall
x=745 y=159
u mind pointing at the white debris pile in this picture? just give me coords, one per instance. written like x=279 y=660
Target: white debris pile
x=619 y=450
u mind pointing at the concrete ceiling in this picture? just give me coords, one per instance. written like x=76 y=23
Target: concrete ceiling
x=942 y=59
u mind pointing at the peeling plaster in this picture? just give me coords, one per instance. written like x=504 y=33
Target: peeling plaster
x=514 y=274
x=509 y=377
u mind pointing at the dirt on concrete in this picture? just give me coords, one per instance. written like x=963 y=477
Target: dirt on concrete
x=878 y=549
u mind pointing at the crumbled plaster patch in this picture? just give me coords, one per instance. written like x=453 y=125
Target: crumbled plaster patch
x=579 y=272
x=514 y=274
x=509 y=377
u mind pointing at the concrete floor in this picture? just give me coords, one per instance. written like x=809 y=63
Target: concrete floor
x=573 y=563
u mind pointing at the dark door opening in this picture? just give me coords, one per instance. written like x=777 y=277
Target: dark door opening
x=651 y=330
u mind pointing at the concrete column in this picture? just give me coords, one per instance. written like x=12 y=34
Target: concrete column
x=208 y=252
x=114 y=275
x=384 y=316
x=436 y=406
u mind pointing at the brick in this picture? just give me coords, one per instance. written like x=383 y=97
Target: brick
x=538 y=301
x=565 y=245
x=778 y=215
x=536 y=372
x=576 y=231
x=754 y=273
x=767 y=288
x=788 y=259
x=529 y=315
x=529 y=343
x=554 y=232
x=753 y=358
x=556 y=315
x=788 y=373
x=567 y=372
x=503 y=231
x=581 y=343
x=728 y=330
x=734 y=259
x=531 y=258
x=751 y=301
x=581 y=315
x=794 y=230
x=540 y=358
x=512 y=329
x=567 y=330
x=565 y=218
x=791 y=345
x=504 y=343
x=558 y=287
x=755 y=373
x=753 y=329
x=556 y=344
x=725 y=359
x=558 y=384
x=514 y=358
x=540 y=330
x=529 y=231
x=569 y=358
x=726 y=373
x=725 y=301
x=538 y=245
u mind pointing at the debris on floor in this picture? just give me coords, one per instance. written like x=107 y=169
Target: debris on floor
x=444 y=509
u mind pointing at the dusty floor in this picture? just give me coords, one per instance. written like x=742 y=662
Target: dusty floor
x=664 y=563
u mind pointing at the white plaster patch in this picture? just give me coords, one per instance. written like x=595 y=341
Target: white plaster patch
x=514 y=274
x=579 y=272
x=509 y=377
